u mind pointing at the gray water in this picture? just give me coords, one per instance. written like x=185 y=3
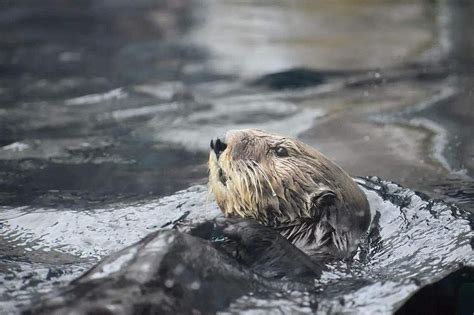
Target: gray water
x=105 y=105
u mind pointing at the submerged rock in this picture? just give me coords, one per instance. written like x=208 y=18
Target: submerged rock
x=292 y=79
x=167 y=272
x=171 y=272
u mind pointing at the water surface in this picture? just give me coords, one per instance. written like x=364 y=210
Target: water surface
x=107 y=104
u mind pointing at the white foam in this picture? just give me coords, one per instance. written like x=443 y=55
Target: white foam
x=16 y=146
x=96 y=98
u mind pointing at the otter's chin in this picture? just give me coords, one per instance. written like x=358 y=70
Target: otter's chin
x=217 y=176
x=222 y=177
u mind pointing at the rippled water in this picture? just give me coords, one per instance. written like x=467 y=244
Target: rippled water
x=413 y=242
x=108 y=106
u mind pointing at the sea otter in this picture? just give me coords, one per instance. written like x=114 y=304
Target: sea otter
x=275 y=192
x=285 y=184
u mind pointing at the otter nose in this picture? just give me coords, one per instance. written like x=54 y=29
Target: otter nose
x=218 y=146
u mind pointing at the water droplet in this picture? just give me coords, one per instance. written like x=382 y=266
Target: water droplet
x=195 y=285
x=169 y=283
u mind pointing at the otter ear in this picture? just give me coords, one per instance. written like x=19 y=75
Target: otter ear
x=322 y=198
x=321 y=202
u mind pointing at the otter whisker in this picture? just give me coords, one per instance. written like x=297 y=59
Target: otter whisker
x=253 y=187
x=253 y=175
x=255 y=181
x=266 y=179
x=242 y=186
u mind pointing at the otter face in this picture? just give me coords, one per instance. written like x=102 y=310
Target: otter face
x=269 y=177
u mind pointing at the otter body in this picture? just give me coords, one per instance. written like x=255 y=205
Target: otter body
x=287 y=185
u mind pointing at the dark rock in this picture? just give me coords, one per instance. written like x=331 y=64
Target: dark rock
x=291 y=79
x=451 y=295
x=171 y=272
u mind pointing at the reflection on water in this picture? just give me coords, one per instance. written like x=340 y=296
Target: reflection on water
x=86 y=177
x=275 y=36
x=106 y=103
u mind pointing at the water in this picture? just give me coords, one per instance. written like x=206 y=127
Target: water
x=396 y=261
x=111 y=105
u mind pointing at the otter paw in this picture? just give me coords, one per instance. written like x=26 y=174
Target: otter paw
x=266 y=251
x=246 y=231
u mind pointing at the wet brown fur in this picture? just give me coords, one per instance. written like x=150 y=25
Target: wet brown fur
x=308 y=198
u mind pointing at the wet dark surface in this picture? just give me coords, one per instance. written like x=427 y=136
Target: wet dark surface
x=106 y=105
x=452 y=295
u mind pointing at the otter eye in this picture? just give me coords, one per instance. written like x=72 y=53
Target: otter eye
x=281 y=151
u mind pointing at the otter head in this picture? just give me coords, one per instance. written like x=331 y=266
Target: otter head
x=277 y=180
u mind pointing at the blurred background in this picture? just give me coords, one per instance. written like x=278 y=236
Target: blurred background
x=112 y=102
x=107 y=100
